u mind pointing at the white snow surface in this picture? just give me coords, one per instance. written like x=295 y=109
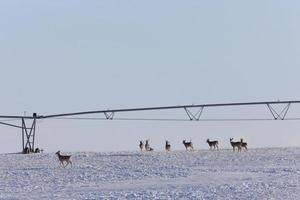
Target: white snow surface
x=272 y=173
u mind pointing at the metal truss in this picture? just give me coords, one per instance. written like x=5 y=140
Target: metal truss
x=194 y=116
x=109 y=115
x=279 y=115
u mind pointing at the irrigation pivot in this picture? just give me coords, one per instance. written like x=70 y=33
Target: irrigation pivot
x=28 y=132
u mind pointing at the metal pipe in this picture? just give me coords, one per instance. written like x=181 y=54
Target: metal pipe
x=166 y=108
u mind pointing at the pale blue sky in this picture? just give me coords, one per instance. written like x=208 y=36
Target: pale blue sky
x=67 y=56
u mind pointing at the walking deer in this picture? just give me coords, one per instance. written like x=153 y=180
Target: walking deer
x=188 y=145
x=236 y=144
x=243 y=144
x=213 y=144
x=168 y=146
x=64 y=158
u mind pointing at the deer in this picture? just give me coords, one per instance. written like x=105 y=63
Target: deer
x=188 y=145
x=243 y=144
x=151 y=149
x=141 y=145
x=64 y=158
x=167 y=146
x=213 y=144
x=236 y=144
x=147 y=146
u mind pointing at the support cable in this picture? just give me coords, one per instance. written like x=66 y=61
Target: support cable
x=172 y=119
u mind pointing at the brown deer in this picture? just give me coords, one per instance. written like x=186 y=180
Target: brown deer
x=213 y=144
x=64 y=158
x=167 y=146
x=236 y=144
x=188 y=145
x=243 y=144
x=141 y=145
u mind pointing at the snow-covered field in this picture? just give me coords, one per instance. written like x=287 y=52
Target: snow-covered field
x=257 y=174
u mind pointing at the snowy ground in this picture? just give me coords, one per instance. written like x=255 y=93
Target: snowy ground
x=257 y=174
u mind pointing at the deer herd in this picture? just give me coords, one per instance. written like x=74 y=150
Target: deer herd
x=213 y=145
x=65 y=160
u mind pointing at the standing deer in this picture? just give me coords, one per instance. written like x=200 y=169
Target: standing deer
x=213 y=144
x=236 y=144
x=141 y=145
x=167 y=146
x=64 y=158
x=188 y=145
x=147 y=146
x=243 y=144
